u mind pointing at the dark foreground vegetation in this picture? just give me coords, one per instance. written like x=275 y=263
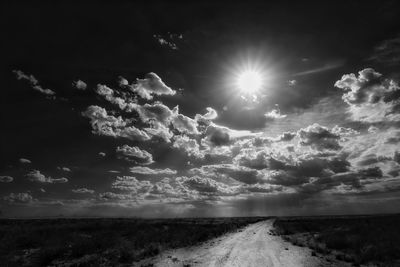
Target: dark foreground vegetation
x=356 y=239
x=102 y=242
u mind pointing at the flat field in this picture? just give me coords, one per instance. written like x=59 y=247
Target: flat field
x=361 y=240
x=103 y=242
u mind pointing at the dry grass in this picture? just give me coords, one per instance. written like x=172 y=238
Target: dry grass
x=357 y=239
x=92 y=242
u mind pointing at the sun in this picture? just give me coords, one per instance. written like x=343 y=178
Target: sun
x=249 y=81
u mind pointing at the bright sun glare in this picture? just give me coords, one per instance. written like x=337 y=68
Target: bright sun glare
x=249 y=81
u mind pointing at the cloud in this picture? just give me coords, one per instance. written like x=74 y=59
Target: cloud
x=22 y=76
x=187 y=145
x=156 y=111
x=79 y=84
x=274 y=114
x=6 y=179
x=115 y=196
x=185 y=124
x=108 y=125
x=286 y=136
x=263 y=188
x=22 y=160
x=82 y=191
x=239 y=173
x=370 y=96
x=162 y=41
x=157 y=129
x=329 y=66
x=108 y=94
x=102 y=154
x=66 y=169
x=34 y=82
x=206 y=186
x=19 y=198
x=134 y=154
x=210 y=115
x=43 y=91
x=216 y=135
x=122 y=81
x=151 y=85
x=319 y=137
x=129 y=183
x=36 y=176
x=149 y=171
x=387 y=52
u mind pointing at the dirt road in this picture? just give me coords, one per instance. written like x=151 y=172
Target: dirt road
x=251 y=246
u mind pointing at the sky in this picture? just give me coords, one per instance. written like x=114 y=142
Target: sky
x=147 y=109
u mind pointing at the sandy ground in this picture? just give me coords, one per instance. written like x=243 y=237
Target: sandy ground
x=251 y=246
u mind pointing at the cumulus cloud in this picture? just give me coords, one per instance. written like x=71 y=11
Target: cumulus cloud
x=159 y=130
x=211 y=114
x=6 y=179
x=129 y=183
x=122 y=81
x=156 y=111
x=34 y=82
x=319 y=137
x=36 y=176
x=108 y=94
x=239 y=173
x=187 y=145
x=286 y=136
x=149 y=171
x=19 y=198
x=151 y=85
x=82 y=191
x=275 y=114
x=79 y=84
x=216 y=135
x=22 y=160
x=370 y=96
x=207 y=186
x=185 y=124
x=134 y=154
x=108 y=125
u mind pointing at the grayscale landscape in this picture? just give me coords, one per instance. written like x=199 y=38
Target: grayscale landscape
x=200 y=133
